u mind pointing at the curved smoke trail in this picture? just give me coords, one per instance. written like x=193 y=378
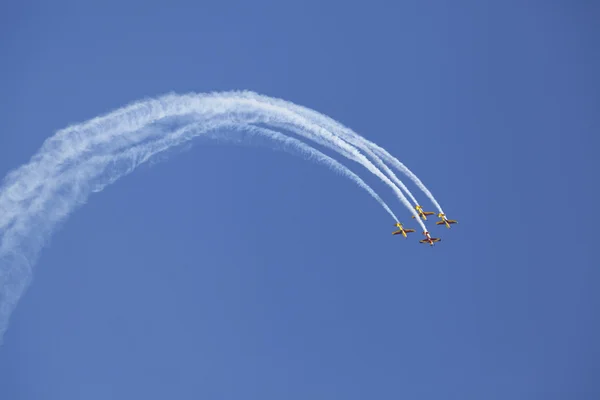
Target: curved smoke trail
x=291 y=144
x=85 y=158
x=372 y=149
x=113 y=130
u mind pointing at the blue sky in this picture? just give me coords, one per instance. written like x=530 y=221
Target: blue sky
x=239 y=272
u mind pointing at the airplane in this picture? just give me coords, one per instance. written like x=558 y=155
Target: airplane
x=429 y=239
x=422 y=213
x=402 y=230
x=445 y=220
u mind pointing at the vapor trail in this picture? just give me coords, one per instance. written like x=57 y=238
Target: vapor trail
x=111 y=131
x=348 y=151
x=86 y=157
x=289 y=144
x=372 y=149
x=402 y=168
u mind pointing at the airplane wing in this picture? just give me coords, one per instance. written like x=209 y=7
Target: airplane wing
x=409 y=230
x=440 y=223
x=396 y=233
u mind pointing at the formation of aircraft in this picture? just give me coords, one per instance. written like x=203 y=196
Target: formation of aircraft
x=423 y=214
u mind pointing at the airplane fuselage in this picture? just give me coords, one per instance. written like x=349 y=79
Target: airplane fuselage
x=422 y=214
x=445 y=221
x=429 y=239
x=402 y=230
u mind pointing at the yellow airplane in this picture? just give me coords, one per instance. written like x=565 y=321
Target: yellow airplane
x=401 y=230
x=422 y=213
x=429 y=239
x=445 y=220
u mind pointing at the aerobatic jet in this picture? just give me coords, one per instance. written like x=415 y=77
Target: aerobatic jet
x=422 y=213
x=445 y=220
x=401 y=230
x=429 y=239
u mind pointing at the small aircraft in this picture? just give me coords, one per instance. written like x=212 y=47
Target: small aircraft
x=445 y=220
x=429 y=239
x=422 y=213
x=401 y=230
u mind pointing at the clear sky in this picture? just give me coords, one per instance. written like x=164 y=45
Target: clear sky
x=242 y=273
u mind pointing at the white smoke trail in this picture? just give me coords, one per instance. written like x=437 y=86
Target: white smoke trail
x=352 y=155
x=335 y=129
x=85 y=158
x=290 y=144
x=112 y=131
x=402 y=168
x=373 y=150
x=124 y=162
